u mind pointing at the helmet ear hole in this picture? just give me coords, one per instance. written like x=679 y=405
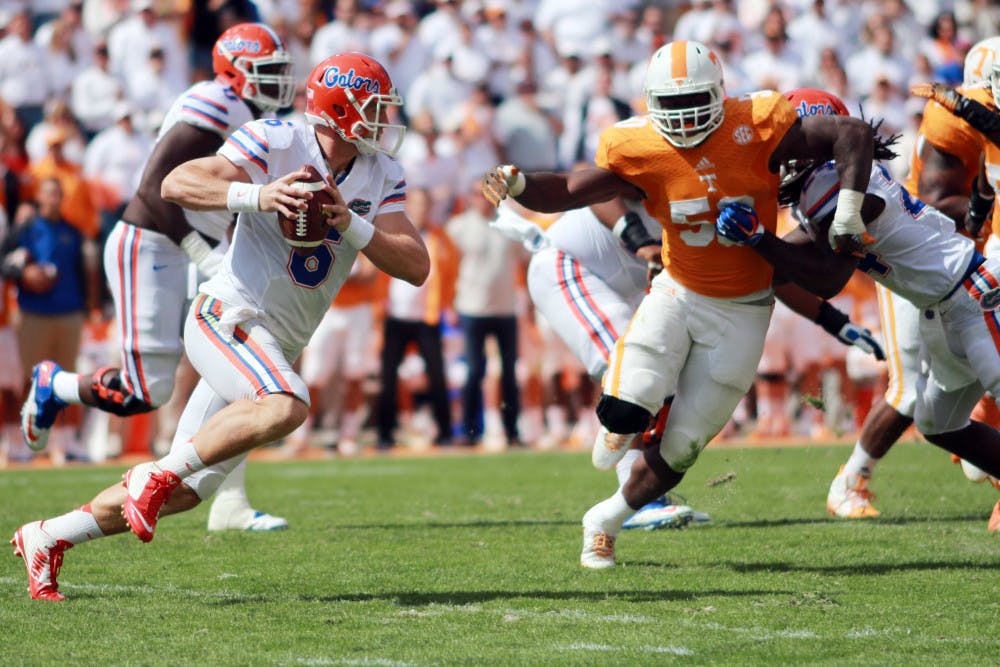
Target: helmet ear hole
x=339 y=111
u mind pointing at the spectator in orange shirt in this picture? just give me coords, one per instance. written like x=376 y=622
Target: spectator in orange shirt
x=78 y=207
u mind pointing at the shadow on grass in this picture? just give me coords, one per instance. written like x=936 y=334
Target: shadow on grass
x=413 y=599
x=880 y=521
x=862 y=568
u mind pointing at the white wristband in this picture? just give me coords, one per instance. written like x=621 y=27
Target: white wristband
x=619 y=227
x=847 y=219
x=243 y=197
x=359 y=233
x=515 y=187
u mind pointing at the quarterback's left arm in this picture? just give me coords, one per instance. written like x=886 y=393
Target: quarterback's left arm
x=850 y=143
x=391 y=241
x=833 y=320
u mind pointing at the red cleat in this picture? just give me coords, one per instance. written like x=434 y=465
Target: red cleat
x=149 y=488
x=43 y=557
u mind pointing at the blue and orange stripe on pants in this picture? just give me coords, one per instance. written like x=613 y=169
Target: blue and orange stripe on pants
x=977 y=284
x=128 y=259
x=240 y=350
x=587 y=311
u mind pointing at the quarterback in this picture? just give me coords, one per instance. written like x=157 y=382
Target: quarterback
x=149 y=252
x=699 y=333
x=253 y=317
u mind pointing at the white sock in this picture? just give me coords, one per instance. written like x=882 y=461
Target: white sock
x=66 y=385
x=182 y=460
x=608 y=515
x=75 y=527
x=624 y=467
x=232 y=493
x=861 y=462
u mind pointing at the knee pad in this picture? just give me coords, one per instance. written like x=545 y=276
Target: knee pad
x=620 y=416
x=112 y=395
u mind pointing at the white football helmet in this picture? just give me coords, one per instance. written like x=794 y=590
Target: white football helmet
x=689 y=71
x=979 y=61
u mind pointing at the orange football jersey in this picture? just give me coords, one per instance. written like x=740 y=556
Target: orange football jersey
x=686 y=186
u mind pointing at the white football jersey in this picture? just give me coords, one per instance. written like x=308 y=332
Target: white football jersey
x=212 y=106
x=917 y=253
x=580 y=234
x=261 y=271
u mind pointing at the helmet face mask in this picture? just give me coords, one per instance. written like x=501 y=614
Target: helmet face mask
x=352 y=95
x=252 y=59
x=685 y=93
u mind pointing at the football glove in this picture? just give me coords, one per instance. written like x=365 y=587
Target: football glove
x=739 y=223
x=836 y=323
x=501 y=181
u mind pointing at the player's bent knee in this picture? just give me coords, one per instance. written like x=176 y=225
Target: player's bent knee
x=620 y=416
x=287 y=411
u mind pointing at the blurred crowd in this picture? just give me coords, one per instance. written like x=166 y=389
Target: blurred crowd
x=461 y=360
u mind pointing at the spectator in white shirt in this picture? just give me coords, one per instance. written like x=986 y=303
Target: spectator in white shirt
x=526 y=133
x=437 y=89
x=131 y=42
x=877 y=60
x=395 y=45
x=81 y=44
x=112 y=164
x=350 y=30
x=440 y=26
x=148 y=87
x=775 y=65
x=95 y=93
x=24 y=76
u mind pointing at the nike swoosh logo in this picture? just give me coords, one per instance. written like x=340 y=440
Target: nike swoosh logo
x=157 y=267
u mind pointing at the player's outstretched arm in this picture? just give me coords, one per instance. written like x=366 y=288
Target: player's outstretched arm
x=391 y=242
x=977 y=115
x=553 y=192
x=833 y=321
x=216 y=184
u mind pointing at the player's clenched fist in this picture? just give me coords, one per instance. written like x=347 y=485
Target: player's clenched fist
x=501 y=181
x=739 y=223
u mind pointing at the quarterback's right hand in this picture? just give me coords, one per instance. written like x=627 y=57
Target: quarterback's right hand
x=944 y=95
x=503 y=180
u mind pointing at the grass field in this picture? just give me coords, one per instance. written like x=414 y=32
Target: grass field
x=473 y=560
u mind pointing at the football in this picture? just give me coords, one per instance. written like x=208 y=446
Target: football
x=39 y=278
x=308 y=228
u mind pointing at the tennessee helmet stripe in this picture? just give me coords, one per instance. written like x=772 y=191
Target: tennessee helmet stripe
x=679 y=60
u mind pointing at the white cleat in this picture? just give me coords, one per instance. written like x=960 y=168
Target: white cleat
x=849 y=497
x=972 y=473
x=657 y=515
x=43 y=557
x=609 y=448
x=598 y=550
x=246 y=519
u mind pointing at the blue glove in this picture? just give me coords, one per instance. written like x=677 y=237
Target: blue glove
x=739 y=223
x=858 y=336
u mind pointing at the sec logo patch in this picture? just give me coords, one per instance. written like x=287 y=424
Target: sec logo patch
x=743 y=135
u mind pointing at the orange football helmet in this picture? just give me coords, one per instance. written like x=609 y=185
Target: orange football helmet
x=252 y=59
x=352 y=93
